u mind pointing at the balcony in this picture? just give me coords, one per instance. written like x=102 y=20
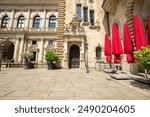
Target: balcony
x=42 y=30
x=12 y=30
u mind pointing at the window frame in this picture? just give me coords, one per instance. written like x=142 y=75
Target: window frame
x=21 y=22
x=52 y=22
x=85 y=15
x=5 y=22
x=36 y=22
x=34 y=56
x=92 y=17
x=34 y=42
x=79 y=12
x=50 y=42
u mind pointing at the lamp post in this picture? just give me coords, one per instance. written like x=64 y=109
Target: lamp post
x=87 y=69
x=1 y=54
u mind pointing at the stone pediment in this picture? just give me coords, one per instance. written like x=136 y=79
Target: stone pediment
x=75 y=38
x=74 y=28
x=33 y=48
x=50 y=48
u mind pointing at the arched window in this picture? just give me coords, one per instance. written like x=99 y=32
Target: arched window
x=5 y=22
x=52 y=22
x=36 y=22
x=98 y=52
x=20 y=23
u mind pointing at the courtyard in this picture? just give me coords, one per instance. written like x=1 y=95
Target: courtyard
x=73 y=84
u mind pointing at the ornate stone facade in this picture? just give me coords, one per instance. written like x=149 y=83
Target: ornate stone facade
x=22 y=34
x=64 y=26
x=28 y=35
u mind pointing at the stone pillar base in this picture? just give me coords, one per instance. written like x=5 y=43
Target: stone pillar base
x=82 y=64
x=65 y=64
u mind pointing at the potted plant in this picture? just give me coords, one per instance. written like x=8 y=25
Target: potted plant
x=27 y=57
x=51 y=57
x=142 y=57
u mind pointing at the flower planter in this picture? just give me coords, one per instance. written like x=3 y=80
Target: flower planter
x=51 y=58
x=50 y=65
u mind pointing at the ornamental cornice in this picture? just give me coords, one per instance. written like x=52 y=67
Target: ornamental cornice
x=14 y=31
x=75 y=38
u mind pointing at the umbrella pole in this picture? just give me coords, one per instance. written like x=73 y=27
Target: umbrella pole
x=110 y=65
x=119 y=69
x=146 y=74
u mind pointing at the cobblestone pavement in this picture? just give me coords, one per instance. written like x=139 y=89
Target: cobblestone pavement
x=67 y=85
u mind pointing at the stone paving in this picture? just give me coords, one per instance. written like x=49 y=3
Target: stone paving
x=74 y=84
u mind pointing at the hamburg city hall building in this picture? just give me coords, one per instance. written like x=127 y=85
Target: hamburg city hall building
x=75 y=29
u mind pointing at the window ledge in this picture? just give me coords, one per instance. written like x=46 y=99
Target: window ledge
x=91 y=1
x=85 y=23
x=94 y=27
x=80 y=20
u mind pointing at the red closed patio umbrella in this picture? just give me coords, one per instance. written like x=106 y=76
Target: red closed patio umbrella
x=130 y=58
x=108 y=58
x=107 y=48
x=149 y=28
x=139 y=34
x=117 y=49
x=128 y=47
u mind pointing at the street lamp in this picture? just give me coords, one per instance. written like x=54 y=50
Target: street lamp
x=1 y=54
x=87 y=69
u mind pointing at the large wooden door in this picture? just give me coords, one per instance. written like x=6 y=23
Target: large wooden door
x=74 y=56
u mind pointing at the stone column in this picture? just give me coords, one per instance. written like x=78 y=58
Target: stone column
x=82 y=47
x=65 y=47
x=12 y=19
x=44 y=19
x=74 y=7
x=21 y=50
x=65 y=64
x=28 y=20
x=82 y=58
x=16 y=50
x=41 y=51
x=25 y=45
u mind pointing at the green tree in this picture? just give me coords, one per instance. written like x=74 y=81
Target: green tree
x=51 y=56
x=27 y=57
x=142 y=57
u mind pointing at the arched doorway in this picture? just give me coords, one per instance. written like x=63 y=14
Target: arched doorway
x=8 y=50
x=74 y=56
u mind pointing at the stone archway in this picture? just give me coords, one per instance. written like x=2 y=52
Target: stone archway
x=74 y=57
x=8 y=50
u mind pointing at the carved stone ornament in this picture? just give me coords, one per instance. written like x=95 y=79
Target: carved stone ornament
x=74 y=28
x=33 y=48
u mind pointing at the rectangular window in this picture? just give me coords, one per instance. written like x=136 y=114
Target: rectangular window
x=34 y=56
x=85 y=14
x=34 y=42
x=79 y=11
x=51 y=42
x=92 y=17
